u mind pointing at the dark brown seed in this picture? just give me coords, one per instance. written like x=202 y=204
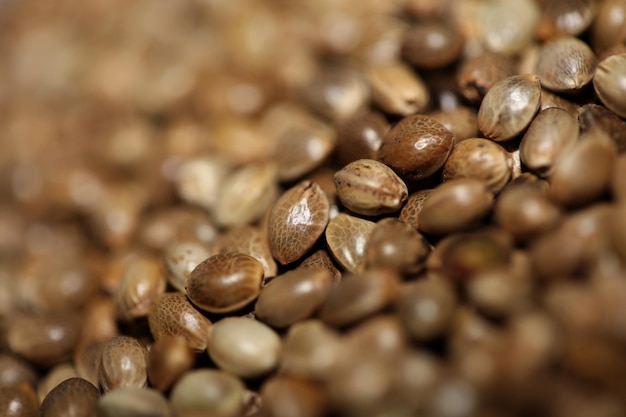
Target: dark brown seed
x=610 y=83
x=454 y=206
x=416 y=147
x=169 y=358
x=54 y=377
x=481 y=159
x=74 y=397
x=293 y=296
x=174 y=315
x=288 y=396
x=566 y=65
x=225 y=282
x=19 y=400
x=509 y=107
x=411 y=210
x=297 y=220
x=475 y=76
x=346 y=237
x=359 y=296
x=360 y=137
x=431 y=45
x=143 y=283
x=123 y=364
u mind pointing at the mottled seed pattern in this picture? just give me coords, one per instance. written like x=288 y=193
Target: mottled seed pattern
x=566 y=64
x=123 y=364
x=609 y=83
x=347 y=237
x=72 y=397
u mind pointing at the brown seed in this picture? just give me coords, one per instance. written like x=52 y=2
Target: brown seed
x=164 y=227
x=618 y=180
x=287 y=396
x=481 y=159
x=583 y=173
x=394 y=244
x=100 y=322
x=293 y=296
x=416 y=147
x=609 y=26
x=54 y=377
x=431 y=45
x=360 y=137
x=426 y=308
x=321 y=260
x=143 y=283
x=549 y=99
x=297 y=220
x=134 y=402
x=181 y=258
x=499 y=292
x=461 y=121
x=244 y=347
x=381 y=335
x=74 y=397
x=411 y=210
x=170 y=357
x=370 y=188
x=174 y=315
x=123 y=364
x=552 y=132
x=610 y=83
x=225 y=282
x=246 y=194
x=396 y=89
x=19 y=401
x=198 y=180
x=14 y=370
x=509 y=107
x=251 y=241
x=566 y=65
x=475 y=76
x=525 y=211
x=454 y=206
x=87 y=358
x=346 y=237
x=565 y=17
x=359 y=296
x=593 y=118
x=208 y=392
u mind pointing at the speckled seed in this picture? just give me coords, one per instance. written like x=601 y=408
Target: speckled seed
x=54 y=377
x=565 y=17
x=134 y=402
x=246 y=194
x=583 y=173
x=394 y=244
x=426 y=307
x=245 y=347
x=19 y=401
x=411 y=210
x=609 y=26
x=123 y=364
x=74 y=397
x=211 y=392
x=297 y=220
x=461 y=121
x=551 y=132
x=293 y=296
x=346 y=237
x=321 y=260
x=288 y=396
x=509 y=107
x=416 y=147
x=174 y=315
x=595 y=119
x=360 y=295
x=169 y=358
x=370 y=188
x=396 y=89
x=43 y=340
x=481 y=159
x=360 y=137
x=475 y=76
x=525 y=211
x=454 y=206
x=181 y=258
x=610 y=83
x=431 y=45
x=198 y=180
x=14 y=370
x=143 y=283
x=225 y=282
x=251 y=241
x=566 y=65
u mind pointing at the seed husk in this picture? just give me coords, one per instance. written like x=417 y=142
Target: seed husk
x=566 y=65
x=609 y=83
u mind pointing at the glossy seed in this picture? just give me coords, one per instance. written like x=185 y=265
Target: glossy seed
x=566 y=65
x=74 y=397
x=346 y=237
x=297 y=220
x=208 y=392
x=360 y=137
x=169 y=358
x=19 y=400
x=14 y=370
x=431 y=45
x=143 y=283
x=248 y=240
x=181 y=258
x=565 y=17
x=610 y=83
x=123 y=364
x=225 y=282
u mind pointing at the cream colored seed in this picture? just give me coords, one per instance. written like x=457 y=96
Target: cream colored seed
x=123 y=364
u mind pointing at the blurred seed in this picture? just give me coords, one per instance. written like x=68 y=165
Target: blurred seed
x=381 y=335
x=396 y=89
x=297 y=220
x=593 y=118
x=461 y=121
x=499 y=292
x=251 y=241
x=609 y=26
x=198 y=180
x=87 y=359
x=618 y=179
x=413 y=207
x=245 y=347
x=123 y=364
x=163 y=228
x=174 y=315
x=476 y=75
x=54 y=377
x=321 y=260
x=143 y=283
x=287 y=396
x=74 y=397
x=181 y=258
x=133 y=402
x=431 y=45
x=360 y=137
x=609 y=83
x=549 y=99
x=19 y=401
x=14 y=370
x=170 y=358
x=566 y=65
x=208 y=392
x=347 y=237
x=509 y=107
x=564 y=17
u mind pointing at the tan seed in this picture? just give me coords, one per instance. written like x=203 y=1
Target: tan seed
x=431 y=45
x=566 y=65
x=251 y=241
x=461 y=121
x=411 y=210
x=346 y=237
x=610 y=83
x=123 y=364
x=169 y=358
x=208 y=392
x=181 y=258
x=143 y=283
x=360 y=137
x=134 y=402
x=287 y=396
x=321 y=260
x=396 y=89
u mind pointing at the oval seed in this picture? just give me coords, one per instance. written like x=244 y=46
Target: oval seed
x=411 y=210
x=251 y=241
x=431 y=45
x=360 y=137
x=609 y=26
x=245 y=347
x=416 y=147
x=123 y=364
x=180 y=259
x=565 y=17
x=74 y=397
x=19 y=401
x=321 y=260
x=370 y=188
x=610 y=83
x=133 y=402
x=346 y=237
x=198 y=180
x=208 y=392
x=225 y=282
x=288 y=396
x=293 y=296
x=142 y=284
x=54 y=377
x=566 y=65
x=509 y=107
x=297 y=220
x=14 y=370
x=169 y=358
x=396 y=89
x=174 y=315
